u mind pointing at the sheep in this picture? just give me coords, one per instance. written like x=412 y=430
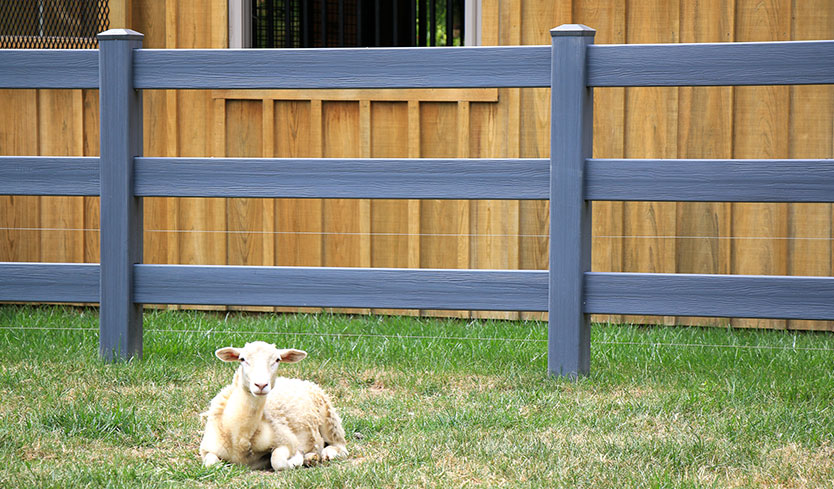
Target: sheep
x=261 y=419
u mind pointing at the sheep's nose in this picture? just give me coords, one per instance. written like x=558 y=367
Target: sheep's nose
x=261 y=387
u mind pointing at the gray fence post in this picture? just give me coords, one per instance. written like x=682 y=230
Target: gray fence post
x=120 y=321
x=571 y=142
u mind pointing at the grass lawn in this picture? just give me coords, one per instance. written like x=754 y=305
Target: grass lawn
x=421 y=411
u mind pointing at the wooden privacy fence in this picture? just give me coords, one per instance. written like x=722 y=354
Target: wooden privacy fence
x=570 y=179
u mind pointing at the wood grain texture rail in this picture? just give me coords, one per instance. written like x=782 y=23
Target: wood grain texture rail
x=460 y=67
x=711 y=64
x=493 y=179
x=49 y=175
x=49 y=68
x=689 y=180
x=740 y=296
x=49 y=282
x=504 y=290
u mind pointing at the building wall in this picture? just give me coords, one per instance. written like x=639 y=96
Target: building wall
x=742 y=122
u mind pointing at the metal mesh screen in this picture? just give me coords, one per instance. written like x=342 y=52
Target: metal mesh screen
x=52 y=24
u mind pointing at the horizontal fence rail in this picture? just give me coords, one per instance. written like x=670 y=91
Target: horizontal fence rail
x=343 y=178
x=743 y=296
x=725 y=64
x=710 y=180
x=49 y=282
x=49 y=175
x=342 y=287
x=48 y=68
x=452 y=67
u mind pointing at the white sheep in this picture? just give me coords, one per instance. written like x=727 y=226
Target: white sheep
x=261 y=419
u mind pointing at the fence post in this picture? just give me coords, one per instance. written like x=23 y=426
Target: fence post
x=571 y=142
x=120 y=105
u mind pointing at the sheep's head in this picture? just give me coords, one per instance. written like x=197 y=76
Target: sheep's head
x=259 y=364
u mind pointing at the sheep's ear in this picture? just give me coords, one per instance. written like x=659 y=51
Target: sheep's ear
x=228 y=354
x=291 y=355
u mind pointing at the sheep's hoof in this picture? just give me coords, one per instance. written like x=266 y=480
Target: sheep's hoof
x=331 y=452
x=311 y=459
x=210 y=459
x=296 y=460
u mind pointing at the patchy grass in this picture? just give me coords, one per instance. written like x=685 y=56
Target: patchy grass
x=425 y=402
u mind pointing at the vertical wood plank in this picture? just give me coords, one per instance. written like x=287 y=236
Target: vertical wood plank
x=249 y=221
x=608 y=18
x=390 y=218
x=761 y=130
x=414 y=206
x=60 y=129
x=342 y=227
x=365 y=249
x=705 y=131
x=91 y=147
x=20 y=216
x=444 y=224
x=297 y=221
x=811 y=136
x=650 y=132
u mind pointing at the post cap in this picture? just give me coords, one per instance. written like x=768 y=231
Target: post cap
x=120 y=34
x=572 y=30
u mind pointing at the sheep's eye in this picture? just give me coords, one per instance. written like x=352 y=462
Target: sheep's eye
x=242 y=360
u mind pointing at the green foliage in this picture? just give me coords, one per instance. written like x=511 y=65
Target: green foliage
x=425 y=402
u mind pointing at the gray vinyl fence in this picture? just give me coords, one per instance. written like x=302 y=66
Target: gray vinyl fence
x=570 y=179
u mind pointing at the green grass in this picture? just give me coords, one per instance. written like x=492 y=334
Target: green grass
x=423 y=411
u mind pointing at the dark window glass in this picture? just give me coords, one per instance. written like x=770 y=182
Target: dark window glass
x=356 y=23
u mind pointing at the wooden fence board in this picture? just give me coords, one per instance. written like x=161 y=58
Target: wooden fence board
x=811 y=136
x=761 y=131
x=650 y=132
x=609 y=19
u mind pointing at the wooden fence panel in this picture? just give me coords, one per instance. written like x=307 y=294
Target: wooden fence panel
x=744 y=122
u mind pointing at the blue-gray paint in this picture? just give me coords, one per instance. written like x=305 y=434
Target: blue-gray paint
x=710 y=295
x=121 y=212
x=710 y=180
x=726 y=64
x=48 y=68
x=568 y=290
x=571 y=138
x=49 y=282
x=449 y=67
x=522 y=290
x=49 y=175
x=344 y=178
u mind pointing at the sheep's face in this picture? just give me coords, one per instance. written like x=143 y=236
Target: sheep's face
x=259 y=364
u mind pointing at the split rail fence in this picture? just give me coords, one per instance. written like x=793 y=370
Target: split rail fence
x=571 y=179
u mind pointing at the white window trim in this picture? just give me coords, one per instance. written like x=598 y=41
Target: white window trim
x=240 y=23
x=472 y=23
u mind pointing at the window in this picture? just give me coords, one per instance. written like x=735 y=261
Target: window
x=351 y=23
x=52 y=24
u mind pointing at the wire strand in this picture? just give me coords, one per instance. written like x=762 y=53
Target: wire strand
x=429 y=337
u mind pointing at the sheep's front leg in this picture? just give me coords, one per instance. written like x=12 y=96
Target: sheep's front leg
x=281 y=459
